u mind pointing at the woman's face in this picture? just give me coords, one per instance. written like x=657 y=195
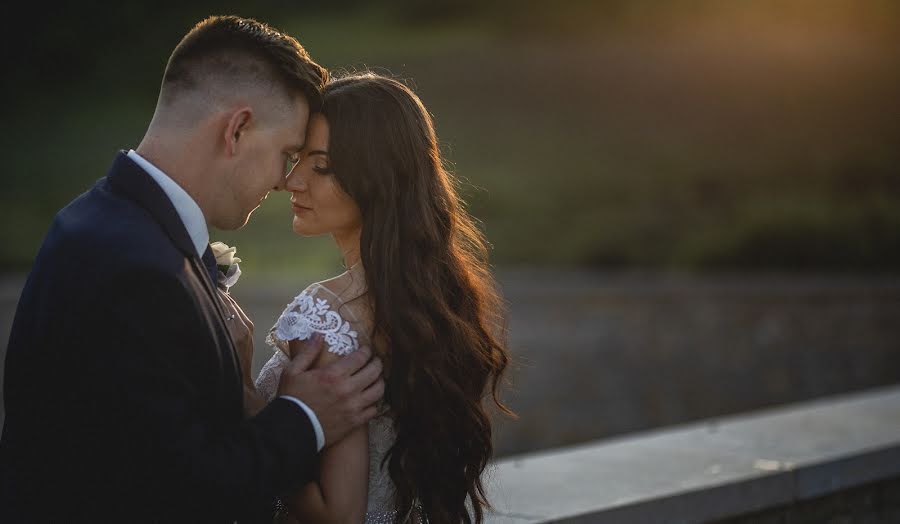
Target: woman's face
x=320 y=205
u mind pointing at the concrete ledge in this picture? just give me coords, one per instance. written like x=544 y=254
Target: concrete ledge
x=716 y=469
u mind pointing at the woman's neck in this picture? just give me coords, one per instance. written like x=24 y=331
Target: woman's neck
x=348 y=244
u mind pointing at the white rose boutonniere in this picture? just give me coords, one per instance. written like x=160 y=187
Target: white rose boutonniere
x=229 y=269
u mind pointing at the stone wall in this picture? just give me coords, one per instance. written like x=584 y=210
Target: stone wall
x=833 y=460
x=600 y=355
x=873 y=503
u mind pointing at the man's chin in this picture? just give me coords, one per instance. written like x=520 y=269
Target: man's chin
x=246 y=216
x=234 y=223
x=246 y=219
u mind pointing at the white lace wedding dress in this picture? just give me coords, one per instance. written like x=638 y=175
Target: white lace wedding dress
x=338 y=310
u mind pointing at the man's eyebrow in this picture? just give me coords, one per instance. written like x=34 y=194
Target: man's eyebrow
x=318 y=152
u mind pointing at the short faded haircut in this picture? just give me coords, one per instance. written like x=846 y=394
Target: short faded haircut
x=241 y=52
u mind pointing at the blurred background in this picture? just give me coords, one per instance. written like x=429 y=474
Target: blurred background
x=694 y=205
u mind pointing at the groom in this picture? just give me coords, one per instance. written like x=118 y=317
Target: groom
x=123 y=387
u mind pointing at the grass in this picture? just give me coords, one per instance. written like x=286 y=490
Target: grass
x=734 y=139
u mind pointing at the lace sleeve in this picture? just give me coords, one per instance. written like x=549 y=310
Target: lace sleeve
x=315 y=310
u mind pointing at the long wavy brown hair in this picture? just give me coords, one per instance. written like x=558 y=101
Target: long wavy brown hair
x=438 y=318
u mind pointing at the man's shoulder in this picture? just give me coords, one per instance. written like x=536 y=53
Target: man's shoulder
x=101 y=225
x=100 y=212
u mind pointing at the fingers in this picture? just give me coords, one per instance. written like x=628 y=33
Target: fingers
x=367 y=375
x=229 y=305
x=368 y=414
x=244 y=318
x=236 y=309
x=352 y=362
x=238 y=324
x=304 y=352
x=372 y=394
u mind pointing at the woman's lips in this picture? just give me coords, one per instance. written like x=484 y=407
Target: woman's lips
x=297 y=208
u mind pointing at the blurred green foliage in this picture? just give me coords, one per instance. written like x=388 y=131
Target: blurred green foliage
x=682 y=134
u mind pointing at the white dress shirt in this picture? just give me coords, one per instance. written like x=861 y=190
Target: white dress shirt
x=195 y=224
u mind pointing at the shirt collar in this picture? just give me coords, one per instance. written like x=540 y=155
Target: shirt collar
x=187 y=209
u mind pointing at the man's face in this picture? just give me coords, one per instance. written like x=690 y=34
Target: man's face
x=260 y=166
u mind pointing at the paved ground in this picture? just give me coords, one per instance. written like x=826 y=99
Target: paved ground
x=601 y=354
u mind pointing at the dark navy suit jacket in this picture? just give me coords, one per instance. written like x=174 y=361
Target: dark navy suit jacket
x=122 y=389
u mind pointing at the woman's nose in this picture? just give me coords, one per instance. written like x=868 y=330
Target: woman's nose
x=295 y=181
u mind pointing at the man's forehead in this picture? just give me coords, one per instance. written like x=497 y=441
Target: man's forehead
x=299 y=105
x=294 y=111
x=295 y=126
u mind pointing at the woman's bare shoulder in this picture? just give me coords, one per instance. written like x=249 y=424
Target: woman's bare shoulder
x=346 y=287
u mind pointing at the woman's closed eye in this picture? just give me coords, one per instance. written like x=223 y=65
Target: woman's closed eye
x=320 y=161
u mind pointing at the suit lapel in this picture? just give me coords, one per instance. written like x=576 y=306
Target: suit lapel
x=200 y=267
x=130 y=180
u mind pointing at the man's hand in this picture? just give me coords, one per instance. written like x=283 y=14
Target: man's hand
x=241 y=329
x=343 y=394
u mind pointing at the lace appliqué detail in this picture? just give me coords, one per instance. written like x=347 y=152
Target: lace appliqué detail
x=308 y=314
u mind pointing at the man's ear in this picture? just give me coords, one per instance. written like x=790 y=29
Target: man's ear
x=238 y=123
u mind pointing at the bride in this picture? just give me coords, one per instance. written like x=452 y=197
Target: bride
x=417 y=289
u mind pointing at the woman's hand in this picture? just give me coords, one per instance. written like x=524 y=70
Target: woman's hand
x=241 y=329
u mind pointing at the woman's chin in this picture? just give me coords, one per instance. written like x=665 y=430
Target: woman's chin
x=302 y=229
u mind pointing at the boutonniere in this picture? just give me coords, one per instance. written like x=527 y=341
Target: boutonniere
x=229 y=269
